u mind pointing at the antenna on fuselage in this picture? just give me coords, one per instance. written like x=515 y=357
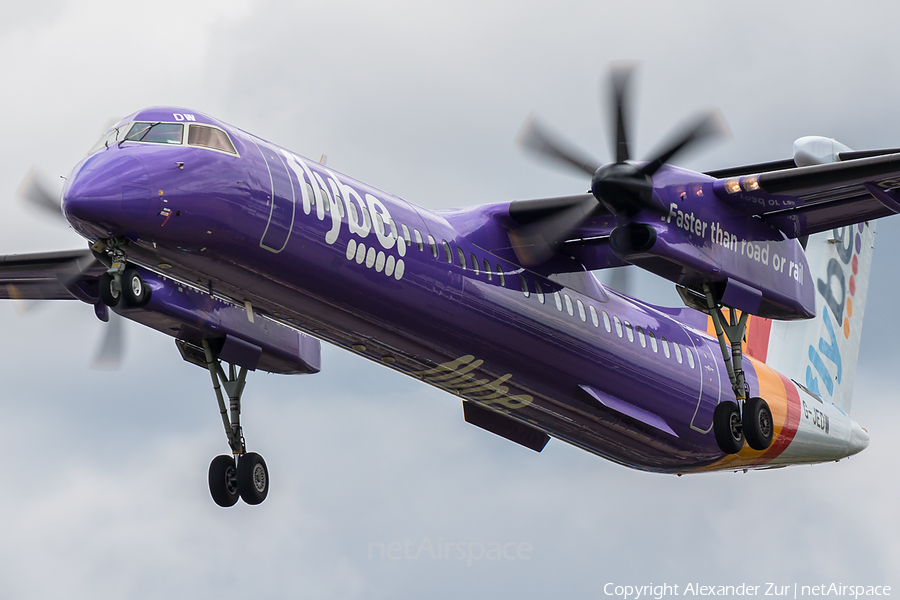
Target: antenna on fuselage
x=323 y=160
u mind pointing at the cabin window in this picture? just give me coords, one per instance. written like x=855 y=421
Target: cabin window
x=653 y=345
x=447 y=254
x=367 y=219
x=379 y=224
x=629 y=331
x=689 y=355
x=339 y=203
x=594 y=319
x=606 y=324
x=581 y=310
x=487 y=270
x=558 y=299
x=406 y=237
x=462 y=258
x=524 y=286
x=474 y=263
x=500 y=276
x=156 y=133
x=433 y=245
x=394 y=230
x=665 y=346
x=618 y=326
x=312 y=199
x=539 y=291
x=419 y=242
x=209 y=137
x=677 y=349
x=641 y=337
x=325 y=200
x=569 y=308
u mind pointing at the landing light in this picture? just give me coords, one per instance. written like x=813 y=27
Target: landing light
x=750 y=183
x=733 y=186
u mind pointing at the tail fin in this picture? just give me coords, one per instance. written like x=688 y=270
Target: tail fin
x=821 y=353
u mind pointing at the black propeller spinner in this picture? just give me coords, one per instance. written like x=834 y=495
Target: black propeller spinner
x=623 y=187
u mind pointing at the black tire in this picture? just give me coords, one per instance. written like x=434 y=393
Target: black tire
x=728 y=428
x=109 y=291
x=758 y=424
x=253 y=478
x=223 y=481
x=135 y=292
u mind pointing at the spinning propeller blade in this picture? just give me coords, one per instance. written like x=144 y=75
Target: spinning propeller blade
x=625 y=188
x=620 y=75
x=547 y=144
x=36 y=194
x=539 y=241
x=709 y=125
x=110 y=353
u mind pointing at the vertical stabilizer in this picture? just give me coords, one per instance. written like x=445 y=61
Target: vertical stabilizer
x=821 y=353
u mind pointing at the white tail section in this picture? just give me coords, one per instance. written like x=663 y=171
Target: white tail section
x=821 y=353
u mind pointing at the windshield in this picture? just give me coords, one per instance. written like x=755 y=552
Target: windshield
x=157 y=133
x=109 y=138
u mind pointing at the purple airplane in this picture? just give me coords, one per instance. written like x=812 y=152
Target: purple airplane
x=249 y=255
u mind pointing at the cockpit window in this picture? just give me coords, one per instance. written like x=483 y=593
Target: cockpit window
x=110 y=138
x=156 y=133
x=209 y=137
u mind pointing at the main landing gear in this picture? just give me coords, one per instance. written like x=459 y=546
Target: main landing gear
x=243 y=474
x=748 y=418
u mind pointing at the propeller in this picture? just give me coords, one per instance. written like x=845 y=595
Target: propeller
x=625 y=188
x=110 y=352
x=36 y=194
x=112 y=347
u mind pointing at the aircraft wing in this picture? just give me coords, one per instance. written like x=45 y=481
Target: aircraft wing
x=804 y=200
x=48 y=275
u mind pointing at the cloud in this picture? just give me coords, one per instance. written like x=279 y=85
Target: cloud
x=104 y=479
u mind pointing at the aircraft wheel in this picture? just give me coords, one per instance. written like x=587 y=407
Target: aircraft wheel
x=758 y=425
x=253 y=478
x=134 y=290
x=728 y=428
x=223 y=481
x=110 y=292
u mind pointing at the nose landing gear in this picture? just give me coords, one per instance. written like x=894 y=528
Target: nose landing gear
x=123 y=283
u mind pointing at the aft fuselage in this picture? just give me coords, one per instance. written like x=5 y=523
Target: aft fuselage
x=435 y=295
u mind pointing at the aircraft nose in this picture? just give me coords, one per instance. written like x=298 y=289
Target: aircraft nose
x=859 y=438
x=103 y=194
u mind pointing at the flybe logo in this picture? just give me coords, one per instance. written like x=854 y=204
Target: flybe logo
x=458 y=377
x=366 y=214
x=838 y=290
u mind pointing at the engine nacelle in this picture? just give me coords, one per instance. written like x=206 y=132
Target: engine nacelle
x=768 y=278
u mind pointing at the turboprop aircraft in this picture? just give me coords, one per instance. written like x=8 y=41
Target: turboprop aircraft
x=249 y=255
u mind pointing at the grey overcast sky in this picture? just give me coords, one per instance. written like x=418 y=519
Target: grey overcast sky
x=103 y=492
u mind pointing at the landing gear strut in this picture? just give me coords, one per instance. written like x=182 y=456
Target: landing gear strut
x=243 y=473
x=748 y=418
x=122 y=282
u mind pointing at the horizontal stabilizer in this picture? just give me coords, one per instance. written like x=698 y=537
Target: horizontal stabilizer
x=504 y=426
